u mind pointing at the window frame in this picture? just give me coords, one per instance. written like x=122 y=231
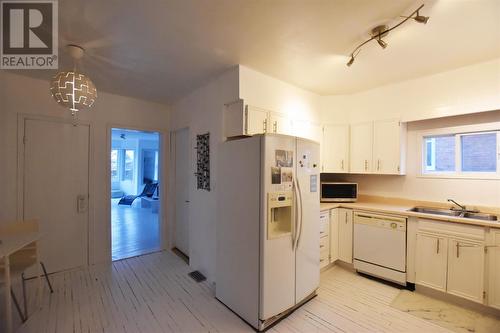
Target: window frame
x=458 y=132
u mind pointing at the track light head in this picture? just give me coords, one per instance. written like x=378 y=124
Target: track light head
x=421 y=19
x=381 y=43
x=351 y=61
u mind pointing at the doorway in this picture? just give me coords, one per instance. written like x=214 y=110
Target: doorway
x=135 y=193
x=56 y=189
x=182 y=185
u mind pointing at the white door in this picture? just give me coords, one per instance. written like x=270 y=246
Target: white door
x=182 y=186
x=307 y=251
x=335 y=152
x=345 y=234
x=494 y=268
x=56 y=175
x=256 y=121
x=431 y=261
x=466 y=269
x=386 y=147
x=361 y=148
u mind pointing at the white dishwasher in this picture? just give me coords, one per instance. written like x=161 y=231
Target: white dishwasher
x=380 y=246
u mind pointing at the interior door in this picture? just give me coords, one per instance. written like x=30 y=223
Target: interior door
x=56 y=191
x=182 y=186
x=307 y=251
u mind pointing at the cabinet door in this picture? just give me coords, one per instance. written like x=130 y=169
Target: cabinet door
x=256 y=121
x=279 y=124
x=345 y=235
x=335 y=148
x=334 y=235
x=361 y=148
x=431 y=261
x=493 y=257
x=466 y=269
x=387 y=147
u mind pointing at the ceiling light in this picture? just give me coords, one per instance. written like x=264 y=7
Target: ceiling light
x=351 y=61
x=381 y=43
x=73 y=89
x=382 y=30
x=421 y=19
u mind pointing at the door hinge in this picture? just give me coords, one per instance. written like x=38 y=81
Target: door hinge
x=24 y=139
x=484 y=294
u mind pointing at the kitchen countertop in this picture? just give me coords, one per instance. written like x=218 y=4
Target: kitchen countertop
x=401 y=208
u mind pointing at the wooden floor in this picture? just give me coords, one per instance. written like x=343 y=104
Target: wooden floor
x=134 y=230
x=153 y=293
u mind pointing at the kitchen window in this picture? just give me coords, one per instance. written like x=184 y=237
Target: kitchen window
x=461 y=154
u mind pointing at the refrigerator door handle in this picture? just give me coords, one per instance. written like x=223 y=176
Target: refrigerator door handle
x=300 y=217
x=296 y=214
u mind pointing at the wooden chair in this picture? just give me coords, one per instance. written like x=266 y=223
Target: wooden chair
x=22 y=260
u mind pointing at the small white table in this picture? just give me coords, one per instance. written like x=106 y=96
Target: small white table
x=9 y=245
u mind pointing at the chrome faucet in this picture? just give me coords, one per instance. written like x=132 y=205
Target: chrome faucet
x=462 y=207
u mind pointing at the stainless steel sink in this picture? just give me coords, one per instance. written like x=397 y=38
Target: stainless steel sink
x=435 y=211
x=456 y=213
x=481 y=216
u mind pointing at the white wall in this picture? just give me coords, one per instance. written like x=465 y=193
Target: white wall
x=465 y=90
x=469 y=191
x=266 y=92
x=22 y=95
x=202 y=112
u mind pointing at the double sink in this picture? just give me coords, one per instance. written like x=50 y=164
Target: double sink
x=455 y=212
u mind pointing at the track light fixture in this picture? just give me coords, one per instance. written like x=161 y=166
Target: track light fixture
x=383 y=30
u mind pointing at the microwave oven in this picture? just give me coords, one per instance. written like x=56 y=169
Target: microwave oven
x=339 y=192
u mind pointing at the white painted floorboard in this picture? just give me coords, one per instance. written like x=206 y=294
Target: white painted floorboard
x=153 y=293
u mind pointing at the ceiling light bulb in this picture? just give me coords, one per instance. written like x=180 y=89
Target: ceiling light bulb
x=381 y=43
x=350 y=62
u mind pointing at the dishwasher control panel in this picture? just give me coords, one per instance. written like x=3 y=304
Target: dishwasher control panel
x=388 y=222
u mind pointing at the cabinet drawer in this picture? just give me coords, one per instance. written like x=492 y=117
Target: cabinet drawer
x=324 y=244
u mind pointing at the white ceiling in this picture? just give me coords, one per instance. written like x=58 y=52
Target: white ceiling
x=161 y=49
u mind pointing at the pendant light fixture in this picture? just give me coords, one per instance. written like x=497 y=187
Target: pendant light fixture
x=72 y=89
x=383 y=30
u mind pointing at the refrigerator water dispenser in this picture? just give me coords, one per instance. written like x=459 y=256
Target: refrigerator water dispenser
x=279 y=214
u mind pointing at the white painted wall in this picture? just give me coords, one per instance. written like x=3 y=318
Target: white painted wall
x=465 y=90
x=266 y=92
x=202 y=112
x=23 y=95
x=469 y=191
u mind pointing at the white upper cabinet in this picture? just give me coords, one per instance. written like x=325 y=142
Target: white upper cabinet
x=361 y=148
x=389 y=138
x=378 y=147
x=240 y=119
x=247 y=120
x=278 y=123
x=335 y=149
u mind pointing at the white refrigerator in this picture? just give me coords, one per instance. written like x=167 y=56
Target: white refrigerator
x=267 y=226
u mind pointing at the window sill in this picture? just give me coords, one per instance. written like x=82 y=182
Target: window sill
x=460 y=176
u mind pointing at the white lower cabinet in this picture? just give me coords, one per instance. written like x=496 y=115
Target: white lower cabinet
x=493 y=261
x=451 y=258
x=334 y=235
x=466 y=269
x=324 y=239
x=431 y=261
x=345 y=226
